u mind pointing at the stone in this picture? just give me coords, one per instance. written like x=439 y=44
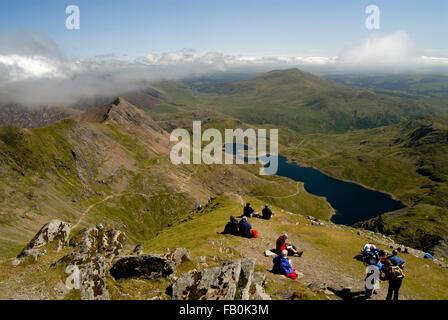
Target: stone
x=260 y=294
x=219 y=283
x=55 y=231
x=16 y=262
x=92 y=276
x=259 y=278
x=98 y=240
x=269 y=253
x=178 y=256
x=60 y=289
x=246 y=277
x=146 y=266
x=317 y=286
x=35 y=253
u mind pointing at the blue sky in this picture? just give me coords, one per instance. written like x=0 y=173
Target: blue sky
x=251 y=27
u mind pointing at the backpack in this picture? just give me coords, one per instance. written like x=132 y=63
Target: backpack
x=396 y=272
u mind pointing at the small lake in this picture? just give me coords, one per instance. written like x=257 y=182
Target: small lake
x=352 y=202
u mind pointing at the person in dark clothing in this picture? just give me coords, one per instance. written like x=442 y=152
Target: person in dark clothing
x=267 y=213
x=249 y=212
x=245 y=228
x=231 y=226
x=394 y=282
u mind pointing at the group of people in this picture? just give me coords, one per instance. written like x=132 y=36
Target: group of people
x=391 y=269
x=243 y=227
x=266 y=213
x=240 y=228
x=282 y=265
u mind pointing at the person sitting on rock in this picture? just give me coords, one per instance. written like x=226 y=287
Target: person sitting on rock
x=281 y=244
x=231 y=226
x=267 y=213
x=283 y=266
x=245 y=228
x=249 y=212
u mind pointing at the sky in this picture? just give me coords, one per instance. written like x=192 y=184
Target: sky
x=150 y=40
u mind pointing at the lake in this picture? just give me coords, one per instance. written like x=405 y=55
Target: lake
x=352 y=202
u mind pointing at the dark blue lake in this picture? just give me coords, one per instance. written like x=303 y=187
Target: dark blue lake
x=351 y=201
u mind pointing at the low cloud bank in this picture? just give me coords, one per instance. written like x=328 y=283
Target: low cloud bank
x=33 y=71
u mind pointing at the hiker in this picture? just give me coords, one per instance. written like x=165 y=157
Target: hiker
x=393 y=272
x=370 y=254
x=281 y=245
x=245 y=229
x=283 y=266
x=249 y=212
x=267 y=213
x=231 y=227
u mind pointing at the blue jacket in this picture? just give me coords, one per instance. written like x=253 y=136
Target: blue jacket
x=244 y=227
x=282 y=265
x=396 y=261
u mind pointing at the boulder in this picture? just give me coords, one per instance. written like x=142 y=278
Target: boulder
x=35 y=253
x=246 y=278
x=55 y=231
x=92 y=275
x=98 y=240
x=218 y=283
x=146 y=266
x=269 y=253
x=259 y=278
x=178 y=256
x=260 y=294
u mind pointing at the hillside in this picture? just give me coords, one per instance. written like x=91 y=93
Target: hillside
x=327 y=266
x=296 y=100
x=111 y=164
x=408 y=160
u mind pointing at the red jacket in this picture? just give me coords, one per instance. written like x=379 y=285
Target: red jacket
x=280 y=245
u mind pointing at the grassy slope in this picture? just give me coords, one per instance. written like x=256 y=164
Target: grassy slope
x=328 y=258
x=296 y=100
x=389 y=159
x=103 y=173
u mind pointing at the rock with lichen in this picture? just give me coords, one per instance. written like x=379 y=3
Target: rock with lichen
x=55 y=232
x=147 y=266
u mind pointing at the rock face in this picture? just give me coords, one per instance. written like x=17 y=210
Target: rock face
x=55 y=231
x=178 y=255
x=148 y=266
x=231 y=281
x=246 y=277
x=98 y=240
x=94 y=248
x=91 y=271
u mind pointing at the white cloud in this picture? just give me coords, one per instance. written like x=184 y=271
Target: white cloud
x=394 y=50
x=34 y=72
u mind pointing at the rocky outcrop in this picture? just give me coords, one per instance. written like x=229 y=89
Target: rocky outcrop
x=90 y=274
x=148 y=266
x=233 y=280
x=55 y=232
x=246 y=278
x=178 y=255
x=98 y=240
x=94 y=248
